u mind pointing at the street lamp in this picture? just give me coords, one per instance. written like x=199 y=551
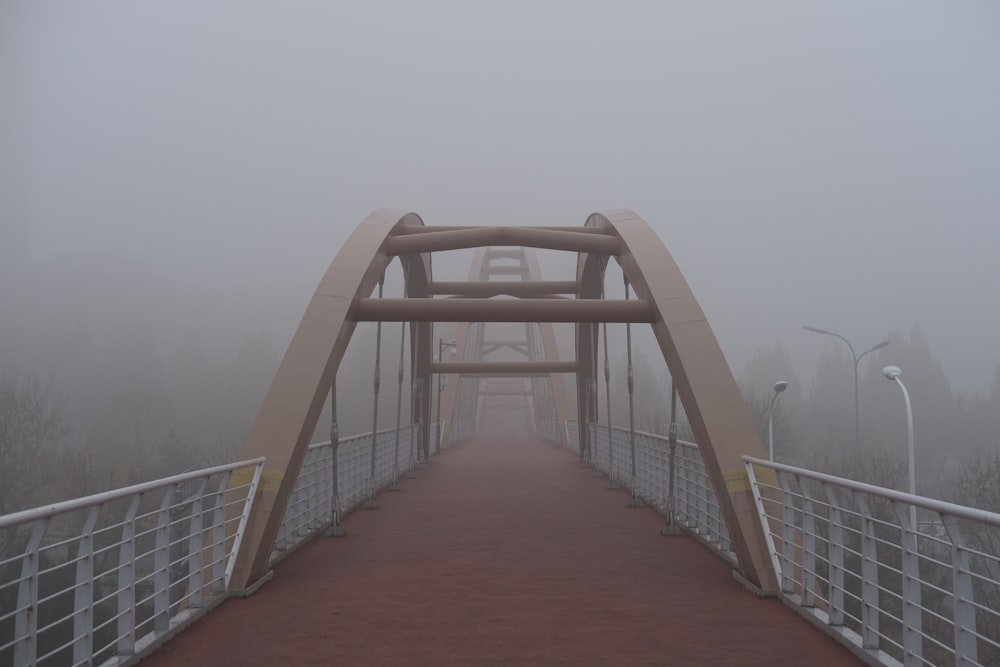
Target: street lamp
x=893 y=373
x=857 y=360
x=778 y=387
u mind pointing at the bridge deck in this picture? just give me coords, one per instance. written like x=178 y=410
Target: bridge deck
x=503 y=553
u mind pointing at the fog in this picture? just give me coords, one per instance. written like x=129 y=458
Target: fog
x=191 y=168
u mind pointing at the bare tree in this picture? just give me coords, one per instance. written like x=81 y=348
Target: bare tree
x=31 y=426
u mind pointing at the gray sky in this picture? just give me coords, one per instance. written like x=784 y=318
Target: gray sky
x=834 y=164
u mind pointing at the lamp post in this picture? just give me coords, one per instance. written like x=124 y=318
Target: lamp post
x=778 y=387
x=440 y=356
x=857 y=360
x=893 y=373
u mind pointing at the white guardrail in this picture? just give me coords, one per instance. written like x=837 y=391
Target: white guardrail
x=105 y=578
x=311 y=505
x=696 y=507
x=905 y=579
x=100 y=579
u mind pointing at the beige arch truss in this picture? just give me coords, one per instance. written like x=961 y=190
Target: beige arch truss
x=713 y=404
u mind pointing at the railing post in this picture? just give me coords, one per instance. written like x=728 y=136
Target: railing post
x=586 y=455
x=634 y=501
x=83 y=596
x=335 y=529
x=422 y=449
x=913 y=642
x=177 y=559
x=764 y=520
x=808 y=546
x=161 y=563
x=316 y=511
x=612 y=480
x=394 y=486
x=836 y=567
x=126 y=581
x=671 y=528
x=196 y=540
x=371 y=503
x=219 y=583
x=26 y=621
x=244 y=517
x=412 y=467
x=963 y=596
x=597 y=427
x=869 y=576
x=788 y=534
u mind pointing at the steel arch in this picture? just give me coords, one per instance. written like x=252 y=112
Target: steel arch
x=711 y=398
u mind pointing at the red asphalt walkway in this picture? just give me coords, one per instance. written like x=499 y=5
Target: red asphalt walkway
x=502 y=553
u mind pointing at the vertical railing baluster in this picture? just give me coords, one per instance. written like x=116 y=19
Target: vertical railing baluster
x=634 y=501
x=26 y=621
x=808 y=546
x=394 y=486
x=83 y=595
x=671 y=528
x=765 y=522
x=963 y=596
x=371 y=503
x=913 y=642
x=837 y=554
x=241 y=528
x=126 y=581
x=335 y=529
x=612 y=478
x=869 y=575
x=219 y=536
x=196 y=543
x=788 y=534
x=161 y=563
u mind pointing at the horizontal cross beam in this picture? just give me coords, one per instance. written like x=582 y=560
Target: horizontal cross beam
x=505 y=392
x=410 y=230
x=529 y=237
x=503 y=310
x=503 y=367
x=488 y=288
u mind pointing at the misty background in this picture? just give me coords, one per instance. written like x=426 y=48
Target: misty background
x=175 y=178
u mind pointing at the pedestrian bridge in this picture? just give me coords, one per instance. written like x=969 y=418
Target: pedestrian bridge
x=588 y=541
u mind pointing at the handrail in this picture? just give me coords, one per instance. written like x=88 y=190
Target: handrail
x=107 y=577
x=853 y=558
x=932 y=504
x=694 y=505
x=48 y=511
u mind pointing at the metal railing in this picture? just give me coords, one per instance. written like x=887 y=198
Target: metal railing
x=696 y=507
x=903 y=578
x=311 y=505
x=102 y=578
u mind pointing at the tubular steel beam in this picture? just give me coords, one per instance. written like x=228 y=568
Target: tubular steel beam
x=504 y=253
x=511 y=288
x=570 y=241
x=508 y=270
x=505 y=367
x=433 y=229
x=503 y=310
x=506 y=392
x=502 y=374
